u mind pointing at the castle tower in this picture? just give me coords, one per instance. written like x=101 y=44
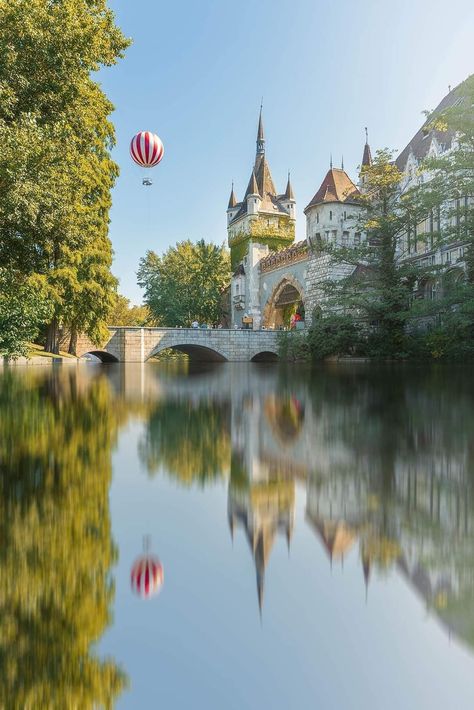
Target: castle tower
x=331 y=218
x=262 y=221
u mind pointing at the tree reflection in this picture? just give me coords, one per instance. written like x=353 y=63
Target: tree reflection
x=189 y=440
x=57 y=551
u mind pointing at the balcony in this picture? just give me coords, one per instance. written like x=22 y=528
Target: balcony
x=239 y=301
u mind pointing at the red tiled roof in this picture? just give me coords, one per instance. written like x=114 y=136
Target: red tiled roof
x=336 y=187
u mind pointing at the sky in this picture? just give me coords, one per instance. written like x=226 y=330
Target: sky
x=197 y=71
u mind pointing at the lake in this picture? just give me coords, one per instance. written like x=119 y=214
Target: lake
x=314 y=530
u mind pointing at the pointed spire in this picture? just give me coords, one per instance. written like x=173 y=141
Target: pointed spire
x=367 y=157
x=232 y=199
x=289 y=190
x=231 y=521
x=260 y=133
x=252 y=188
x=260 y=590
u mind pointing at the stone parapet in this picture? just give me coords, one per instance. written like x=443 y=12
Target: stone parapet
x=139 y=344
x=275 y=260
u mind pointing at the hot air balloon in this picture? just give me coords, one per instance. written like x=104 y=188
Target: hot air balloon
x=146 y=575
x=147 y=151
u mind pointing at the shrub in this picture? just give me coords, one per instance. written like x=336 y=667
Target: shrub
x=333 y=335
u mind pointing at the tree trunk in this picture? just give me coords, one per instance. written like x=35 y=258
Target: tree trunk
x=52 y=337
x=72 y=350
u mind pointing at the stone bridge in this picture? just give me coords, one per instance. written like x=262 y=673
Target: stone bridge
x=140 y=344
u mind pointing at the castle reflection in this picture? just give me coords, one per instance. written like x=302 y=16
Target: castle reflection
x=386 y=462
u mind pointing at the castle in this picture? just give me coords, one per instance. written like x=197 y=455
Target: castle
x=274 y=276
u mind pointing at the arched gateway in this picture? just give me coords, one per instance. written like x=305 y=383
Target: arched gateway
x=212 y=345
x=286 y=300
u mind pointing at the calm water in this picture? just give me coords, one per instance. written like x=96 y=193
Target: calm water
x=316 y=531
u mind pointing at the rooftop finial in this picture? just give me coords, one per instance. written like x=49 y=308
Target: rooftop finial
x=260 y=133
x=330 y=160
x=342 y=163
x=366 y=135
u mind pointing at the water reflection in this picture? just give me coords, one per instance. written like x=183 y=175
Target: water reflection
x=384 y=459
x=56 y=549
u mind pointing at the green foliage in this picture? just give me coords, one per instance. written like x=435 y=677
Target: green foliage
x=333 y=335
x=379 y=288
x=55 y=167
x=123 y=314
x=293 y=345
x=186 y=283
x=23 y=307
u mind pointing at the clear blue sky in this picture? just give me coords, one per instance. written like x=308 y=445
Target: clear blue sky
x=197 y=70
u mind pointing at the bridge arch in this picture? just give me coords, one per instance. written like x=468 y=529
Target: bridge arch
x=102 y=355
x=265 y=356
x=199 y=353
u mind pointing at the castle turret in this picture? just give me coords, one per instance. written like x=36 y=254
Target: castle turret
x=232 y=207
x=252 y=195
x=288 y=199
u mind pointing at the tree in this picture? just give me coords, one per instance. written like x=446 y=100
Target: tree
x=23 y=307
x=186 y=283
x=378 y=290
x=55 y=168
x=124 y=314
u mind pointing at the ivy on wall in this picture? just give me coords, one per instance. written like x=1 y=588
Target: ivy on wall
x=275 y=236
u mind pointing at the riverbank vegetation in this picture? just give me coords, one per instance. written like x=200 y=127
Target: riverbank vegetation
x=56 y=171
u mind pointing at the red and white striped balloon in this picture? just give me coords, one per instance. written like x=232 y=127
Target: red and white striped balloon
x=146 y=149
x=147 y=576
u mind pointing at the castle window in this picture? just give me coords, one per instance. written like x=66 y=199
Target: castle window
x=330 y=214
x=317 y=218
x=345 y=215
x=345 y=237
x=327 y=236
x=237 y=288
x=334 y=235
x=357 y=238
